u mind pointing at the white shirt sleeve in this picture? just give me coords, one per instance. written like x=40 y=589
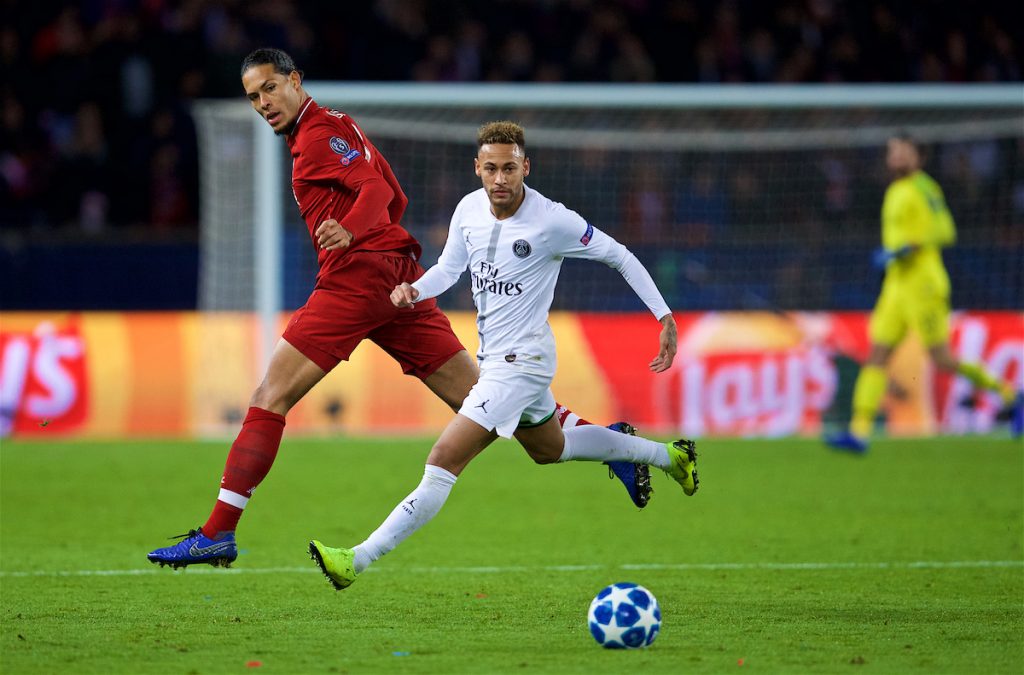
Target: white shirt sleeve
x=639 y=279
x=571 y=236
x=450 y=264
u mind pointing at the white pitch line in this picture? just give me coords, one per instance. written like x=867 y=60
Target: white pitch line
x=781 y=566
x=921 y=564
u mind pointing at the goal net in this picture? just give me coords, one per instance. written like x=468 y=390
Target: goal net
x=735 y=198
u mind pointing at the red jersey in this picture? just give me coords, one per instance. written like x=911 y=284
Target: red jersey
x=338 y=173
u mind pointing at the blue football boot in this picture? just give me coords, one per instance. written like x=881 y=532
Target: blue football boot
x=1013 y=413
x=1017 y=421
x=847 y=442
x=635 y=477
x=195 y=548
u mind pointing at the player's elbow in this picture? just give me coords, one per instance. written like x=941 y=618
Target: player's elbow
x=620 y=260
x=396 y=209
x=379 y=196
x=383 y=191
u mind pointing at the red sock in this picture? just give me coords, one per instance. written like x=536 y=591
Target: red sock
x=567 y=419
x=249 y=461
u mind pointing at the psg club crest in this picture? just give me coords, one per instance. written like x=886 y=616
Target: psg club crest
x=521 y=248
x=339 y=145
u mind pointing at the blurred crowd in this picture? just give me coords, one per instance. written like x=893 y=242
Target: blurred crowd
x=96 y=123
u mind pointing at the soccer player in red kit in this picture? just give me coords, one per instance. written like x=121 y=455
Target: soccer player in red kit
x=353 y=204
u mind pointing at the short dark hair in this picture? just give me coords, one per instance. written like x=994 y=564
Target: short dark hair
x=501 y=132
x=282 y=62
x=906 y=137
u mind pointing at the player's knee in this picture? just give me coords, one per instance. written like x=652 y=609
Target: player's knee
x=543 y=454
x=450 y=456
x=266 y=398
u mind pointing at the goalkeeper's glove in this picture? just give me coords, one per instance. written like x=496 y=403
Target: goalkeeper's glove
x=882 y=256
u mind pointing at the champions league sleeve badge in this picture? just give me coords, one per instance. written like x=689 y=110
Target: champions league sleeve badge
x=339 y=146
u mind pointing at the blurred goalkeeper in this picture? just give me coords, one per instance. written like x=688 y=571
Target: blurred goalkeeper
x=916 y=225
x=352 y=203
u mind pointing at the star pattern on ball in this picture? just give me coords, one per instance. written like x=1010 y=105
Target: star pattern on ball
x=619 y=595
x=625 y=615
x=613 y=635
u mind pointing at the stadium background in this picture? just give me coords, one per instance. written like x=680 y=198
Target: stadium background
x=101 y=184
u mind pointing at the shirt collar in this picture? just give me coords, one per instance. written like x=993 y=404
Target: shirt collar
x=303 y=109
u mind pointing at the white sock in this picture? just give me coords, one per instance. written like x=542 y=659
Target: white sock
x=592 y=443
x=411 y=514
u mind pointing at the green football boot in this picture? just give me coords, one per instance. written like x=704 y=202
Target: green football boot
x=337 y=564
x=683 y=454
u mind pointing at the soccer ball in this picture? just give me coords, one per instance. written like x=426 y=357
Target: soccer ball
x=624 y=616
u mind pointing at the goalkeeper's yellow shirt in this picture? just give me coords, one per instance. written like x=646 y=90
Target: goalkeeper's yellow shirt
x=914 y=213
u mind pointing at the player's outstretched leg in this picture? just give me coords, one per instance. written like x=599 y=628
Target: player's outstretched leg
x=636 y=478
x=341 y=565
x=683 y=467
x=196 y=548
x=599 y=444
x=337 y=564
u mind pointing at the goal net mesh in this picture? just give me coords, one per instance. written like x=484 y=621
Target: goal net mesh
x=729 y=208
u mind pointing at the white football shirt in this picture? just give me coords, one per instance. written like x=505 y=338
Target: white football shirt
x=514 y=264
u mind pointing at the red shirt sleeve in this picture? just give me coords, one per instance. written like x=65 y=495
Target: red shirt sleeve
x=396 y=209
x=333 y=158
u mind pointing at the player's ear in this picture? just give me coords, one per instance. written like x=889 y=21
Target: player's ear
x=476 y=165
x=526 y=167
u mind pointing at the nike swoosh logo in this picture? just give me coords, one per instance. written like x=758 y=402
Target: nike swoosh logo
x=218 y=547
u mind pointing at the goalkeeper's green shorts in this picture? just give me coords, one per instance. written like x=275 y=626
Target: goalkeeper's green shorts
x=898 y=310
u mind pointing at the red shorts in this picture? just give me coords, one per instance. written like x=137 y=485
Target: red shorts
x=353 y=303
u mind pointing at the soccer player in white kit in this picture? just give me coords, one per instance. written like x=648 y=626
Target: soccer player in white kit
x=513 y=240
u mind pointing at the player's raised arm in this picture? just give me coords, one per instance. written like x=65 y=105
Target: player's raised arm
x=639 y=279
x=572 y=237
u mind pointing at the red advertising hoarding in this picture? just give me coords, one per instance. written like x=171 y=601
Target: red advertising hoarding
x=737 y=374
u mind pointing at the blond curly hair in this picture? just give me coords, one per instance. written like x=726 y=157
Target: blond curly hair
x=502 y=132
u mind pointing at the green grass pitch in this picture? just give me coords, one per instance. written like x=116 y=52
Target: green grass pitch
x=791 y=558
